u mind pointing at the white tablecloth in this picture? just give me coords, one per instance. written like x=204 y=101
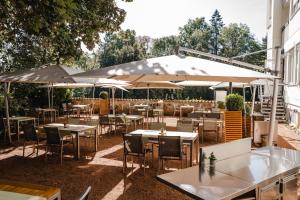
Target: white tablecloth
x=4 y=195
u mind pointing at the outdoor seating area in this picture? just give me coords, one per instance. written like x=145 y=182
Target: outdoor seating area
x=138 y=100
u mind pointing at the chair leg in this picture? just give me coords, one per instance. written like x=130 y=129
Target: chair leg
x=24 y=144
x=61 y=152
x=37 y=148
x=144 y=163
x=124 y=163
x=158 y=167
x=46 y=152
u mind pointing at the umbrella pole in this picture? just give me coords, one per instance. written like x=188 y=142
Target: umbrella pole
x=113 y=99
x=52 y=88
x=122 y=100
x=6 y=93
x=253 y=99
x=49 y=101
x=230 y=87
x=93 y=104
x=245 y=117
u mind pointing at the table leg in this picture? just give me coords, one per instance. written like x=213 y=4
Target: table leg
x=191 y=154
x=18 y=130
x=197 y=150
x=77 y=147
x=180 y=113
x=134 y=124
x=96 y=140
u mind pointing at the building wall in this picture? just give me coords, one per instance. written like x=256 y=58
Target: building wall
x=284 y=30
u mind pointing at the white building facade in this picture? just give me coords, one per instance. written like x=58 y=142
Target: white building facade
x=283 y=30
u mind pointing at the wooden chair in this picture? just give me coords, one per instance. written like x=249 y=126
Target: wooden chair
x=185 y=125
x=170 y=148
x=30 y=136
x=121 y=122
x=209 y=127
x=133 y=146
x=176 y=109
x=157 y=125
x=54 y=139
x=105 y=121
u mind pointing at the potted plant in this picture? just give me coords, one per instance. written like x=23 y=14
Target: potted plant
x=103 y=103
x=233 y=120
x=221 y=105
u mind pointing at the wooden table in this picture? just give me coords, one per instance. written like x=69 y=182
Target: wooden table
x=77 y=129
x=189 y=138
x=20 y=119
x=80 y=107
x=185 y=107
x=48 y=110
x=136 y=119
x=160 y=113
x=13 y=189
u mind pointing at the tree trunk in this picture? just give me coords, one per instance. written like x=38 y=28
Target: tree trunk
x=6 y=95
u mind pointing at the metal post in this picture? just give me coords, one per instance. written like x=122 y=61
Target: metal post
x=49 y=101
x=122 y=100
x=253 y=99
x=52 y=88
x=275 y=96
x=113 y=89
x=6 y=95
x=245 y=117
x=230 y=87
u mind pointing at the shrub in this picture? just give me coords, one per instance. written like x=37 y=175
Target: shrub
x=234 y=102
x=103 y=95
x=247 y=109
x=221 y=104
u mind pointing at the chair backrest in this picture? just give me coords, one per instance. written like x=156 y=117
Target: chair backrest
x=170 y=147
x=157 y=125
x=185 y=125
x=226 y=150
x=215 y=115
x=92 y=122
x=133 y=144
x=29 y=132
x=74 y=121
x=86 y=194
x=120 y=120
x=215 y=109
x=53 y=136
x=210 y=125
x=104 y=119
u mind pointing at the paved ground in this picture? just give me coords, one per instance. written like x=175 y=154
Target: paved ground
x=101 y=170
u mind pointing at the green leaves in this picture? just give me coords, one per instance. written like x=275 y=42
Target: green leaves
x=234 y=102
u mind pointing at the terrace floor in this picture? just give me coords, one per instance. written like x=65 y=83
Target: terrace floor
x=101 y=170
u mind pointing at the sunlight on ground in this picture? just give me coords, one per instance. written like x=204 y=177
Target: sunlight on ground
x=120 y=188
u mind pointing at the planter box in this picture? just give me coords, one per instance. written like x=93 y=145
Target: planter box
x=103 y=107
x=233 y=125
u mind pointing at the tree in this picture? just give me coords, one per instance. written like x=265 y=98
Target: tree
x=237 y=40
x=120 y=47
x=216 y=26
x=195 y=35
x=58 y=27
x=164 y=46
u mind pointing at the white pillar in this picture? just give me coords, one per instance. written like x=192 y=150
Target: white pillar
x=274 y=101
x=113 y=89
x=253 y=99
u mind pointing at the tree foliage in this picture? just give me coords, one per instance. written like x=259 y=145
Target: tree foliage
x=121 y=47
x=216 y=26
x=164 y=46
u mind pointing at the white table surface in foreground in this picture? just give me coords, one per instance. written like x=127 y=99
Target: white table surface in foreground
x=156 y=133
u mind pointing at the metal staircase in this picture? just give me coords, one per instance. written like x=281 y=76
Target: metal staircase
x=266 y=103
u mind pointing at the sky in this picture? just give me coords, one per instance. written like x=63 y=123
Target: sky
x=158 y=18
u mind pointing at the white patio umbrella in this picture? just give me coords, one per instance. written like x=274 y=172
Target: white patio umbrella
x=45 y=74
x=197 y=83
x=178 y=68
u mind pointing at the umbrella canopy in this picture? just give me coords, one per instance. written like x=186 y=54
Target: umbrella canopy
x=176 y=68
x=241 y=85
x=44 y=74
x=197 y=83
x=153 y=85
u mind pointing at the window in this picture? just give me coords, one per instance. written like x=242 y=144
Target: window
x=295 y=7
